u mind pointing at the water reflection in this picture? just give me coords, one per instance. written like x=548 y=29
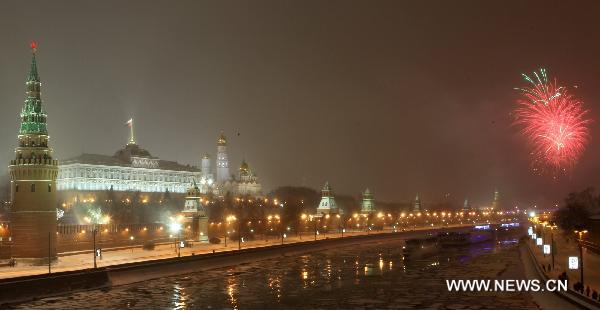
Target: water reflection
x=231 y=291
x=353 y=277
x=179 y=298
x=274 y=283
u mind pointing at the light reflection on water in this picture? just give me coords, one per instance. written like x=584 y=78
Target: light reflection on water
x=364 y=274
x=179 y=298
x=231 y=291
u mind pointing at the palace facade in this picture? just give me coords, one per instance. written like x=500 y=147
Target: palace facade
x=134 y=169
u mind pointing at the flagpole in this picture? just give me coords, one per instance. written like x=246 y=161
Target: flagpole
x=131 y=138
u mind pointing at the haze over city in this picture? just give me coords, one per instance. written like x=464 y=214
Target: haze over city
x=289 y=154
x=398 y=97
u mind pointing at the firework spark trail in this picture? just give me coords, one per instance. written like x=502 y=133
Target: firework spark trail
x=553 y=122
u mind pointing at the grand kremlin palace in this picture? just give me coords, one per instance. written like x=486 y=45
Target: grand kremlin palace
x=134 y=169
x=130 y=169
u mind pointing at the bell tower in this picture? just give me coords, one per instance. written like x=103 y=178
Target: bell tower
x=222 y=161
x=33 y=179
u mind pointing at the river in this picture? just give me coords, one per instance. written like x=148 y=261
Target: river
x=372 y=275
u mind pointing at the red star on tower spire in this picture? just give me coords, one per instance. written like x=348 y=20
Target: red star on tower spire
x=33 y=46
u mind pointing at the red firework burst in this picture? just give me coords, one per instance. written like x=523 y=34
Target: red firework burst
x=553 y=122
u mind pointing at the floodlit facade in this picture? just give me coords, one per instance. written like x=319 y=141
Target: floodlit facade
x=245 y=183
x=130 y=169
x=368 y=204
x=417 y=204
x=327 y=204
x=222 y=159
x=134 y=169
x=195 y=213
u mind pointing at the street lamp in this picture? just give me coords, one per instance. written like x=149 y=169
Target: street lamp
x=94 y=236
x=302 y=217
x=552 y=245
x=315 y=225
x=98 y=219
x=175 y=228
x=239 y=234
x=580 y=234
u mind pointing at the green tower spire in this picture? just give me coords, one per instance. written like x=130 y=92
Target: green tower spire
x=33 y=116
x=33 y=73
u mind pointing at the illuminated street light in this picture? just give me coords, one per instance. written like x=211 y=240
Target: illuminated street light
x=580 y=234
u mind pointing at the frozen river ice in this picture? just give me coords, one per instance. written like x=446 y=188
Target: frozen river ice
x=373 y=275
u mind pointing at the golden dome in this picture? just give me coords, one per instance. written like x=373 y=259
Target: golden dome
x=222 y=140
x=244 y=166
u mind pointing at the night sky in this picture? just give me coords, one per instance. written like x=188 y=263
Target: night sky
x=400 y=96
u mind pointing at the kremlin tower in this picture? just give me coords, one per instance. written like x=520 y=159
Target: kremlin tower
x=327 y=204
x=496 y=202
x=195 y=213
x=33 y=179
x=417 y=204
x=367 y=205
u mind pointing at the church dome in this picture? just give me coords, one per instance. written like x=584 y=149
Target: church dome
x=222 y=140
x=244 y=168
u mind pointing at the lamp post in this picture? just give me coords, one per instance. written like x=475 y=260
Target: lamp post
x=179 y=243
x=175 y=228
x=303 y=218
x=49 y=251
x=98 y=221
x=580 y=234
x=94 y=253
x=268 y=227
x=280 y=222
x=315 y=222
x=552 y=245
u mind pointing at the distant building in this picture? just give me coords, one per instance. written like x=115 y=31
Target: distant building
x=327 y=204
x=195 y=214
x=367 y=205
x=245 y=183
x=222 y=160
x=466 y=206
x=207 y=179
x=129 y=169
x=417 y=204
x=496 y=202
x=33 y=175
